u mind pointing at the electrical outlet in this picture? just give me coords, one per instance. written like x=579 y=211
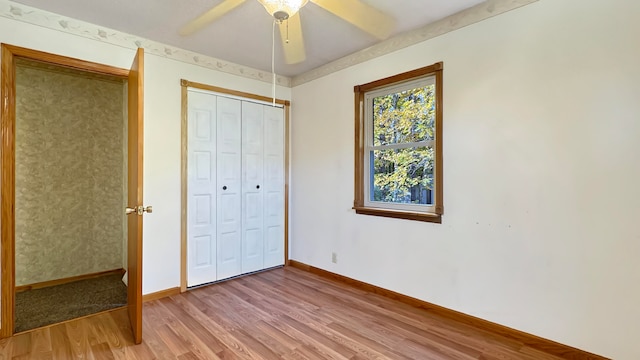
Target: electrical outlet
x=334 y=258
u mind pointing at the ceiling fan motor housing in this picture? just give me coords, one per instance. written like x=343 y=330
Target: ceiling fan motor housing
x=281 y=10
x=281 y=15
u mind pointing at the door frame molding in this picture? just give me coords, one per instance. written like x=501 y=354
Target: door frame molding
x=7 y=161
x=186 y=84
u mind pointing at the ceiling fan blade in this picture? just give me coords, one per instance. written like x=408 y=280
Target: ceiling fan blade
x=361 y=15
x=210 y=16
x=292 y=40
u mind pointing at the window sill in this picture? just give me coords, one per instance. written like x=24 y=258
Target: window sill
x=398 y=214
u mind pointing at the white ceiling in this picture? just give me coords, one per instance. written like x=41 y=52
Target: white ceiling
x=244 y=35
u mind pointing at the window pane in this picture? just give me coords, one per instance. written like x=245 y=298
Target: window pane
x=404 y=117
x=403 y=176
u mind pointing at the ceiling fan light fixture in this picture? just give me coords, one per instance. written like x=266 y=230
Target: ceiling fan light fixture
x=283 y=9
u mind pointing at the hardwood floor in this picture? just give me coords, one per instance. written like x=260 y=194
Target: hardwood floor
x=279 y=314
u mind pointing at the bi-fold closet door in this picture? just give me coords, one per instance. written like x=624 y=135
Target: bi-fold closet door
x=235 y=188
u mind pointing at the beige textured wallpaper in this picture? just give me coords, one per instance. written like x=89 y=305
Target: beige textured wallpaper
x=70 y=178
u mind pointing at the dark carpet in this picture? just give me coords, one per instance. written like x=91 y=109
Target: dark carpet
x=40 y=307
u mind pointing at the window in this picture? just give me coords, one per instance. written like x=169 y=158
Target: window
x=398 y=147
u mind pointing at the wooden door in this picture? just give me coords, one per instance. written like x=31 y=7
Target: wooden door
x=201 y=188
x=274 y=198
x=134 y=198
x=229 y=251
x=252 y=187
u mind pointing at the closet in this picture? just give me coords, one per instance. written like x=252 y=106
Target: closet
x=235 y=186
x=70 y=155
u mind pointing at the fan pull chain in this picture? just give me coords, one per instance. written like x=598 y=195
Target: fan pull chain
x=287 y=31
x=273 y=62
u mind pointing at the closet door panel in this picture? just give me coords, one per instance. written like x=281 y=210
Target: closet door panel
x=201 y=184
x=229 y=246
x=252 y=187
x=274 y=186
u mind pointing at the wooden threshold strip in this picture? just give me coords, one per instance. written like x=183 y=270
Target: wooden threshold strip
x=55 y=282
x=532 y=341
x=161 y=294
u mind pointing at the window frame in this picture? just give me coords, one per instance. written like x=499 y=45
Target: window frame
x=362 y=205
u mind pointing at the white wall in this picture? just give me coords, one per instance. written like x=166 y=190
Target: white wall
x=541 y=195
x=161 y=243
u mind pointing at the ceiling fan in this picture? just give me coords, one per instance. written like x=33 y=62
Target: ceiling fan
x=363 y=16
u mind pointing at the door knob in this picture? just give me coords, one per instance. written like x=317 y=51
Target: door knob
x=138 y=210
x=224 y=187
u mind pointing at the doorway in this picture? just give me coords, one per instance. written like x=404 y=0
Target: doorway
x=102 y=221
x=70 y=181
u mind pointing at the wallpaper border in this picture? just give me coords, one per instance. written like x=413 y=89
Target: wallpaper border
x=35 y=16
x=482 y=11
x=472 y=15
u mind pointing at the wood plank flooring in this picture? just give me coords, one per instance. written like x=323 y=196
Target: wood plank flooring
x=279 y=314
